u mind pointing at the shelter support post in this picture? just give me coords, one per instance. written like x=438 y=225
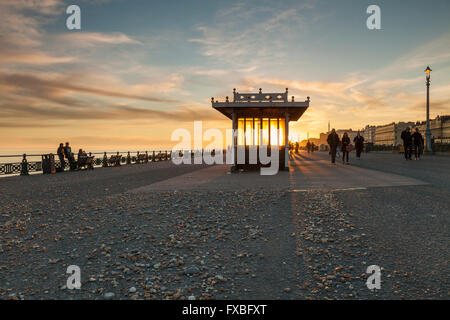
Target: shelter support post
x=234 y=142
x=286 y=141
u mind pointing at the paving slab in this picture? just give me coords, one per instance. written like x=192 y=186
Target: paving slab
x=305 y=173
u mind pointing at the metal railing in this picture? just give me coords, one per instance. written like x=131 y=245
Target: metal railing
x=26 y=167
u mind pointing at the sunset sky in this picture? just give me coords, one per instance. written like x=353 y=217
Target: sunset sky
x=139 y=69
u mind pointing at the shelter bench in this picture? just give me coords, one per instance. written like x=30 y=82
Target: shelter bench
x=115 y=160
x=141 y=158
x=86 y=162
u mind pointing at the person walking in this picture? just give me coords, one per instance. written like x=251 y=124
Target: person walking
x=308 y=146
x=359 y=144
x=407 y=143
x=418 y=144
x=60 y=153
x=333 y=142
x=345 y=151
x=312 y=147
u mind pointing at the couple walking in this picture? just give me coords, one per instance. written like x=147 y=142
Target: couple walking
x=345 y=144
x=411 y=141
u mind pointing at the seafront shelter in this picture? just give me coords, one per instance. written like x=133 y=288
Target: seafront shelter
x=260 y=119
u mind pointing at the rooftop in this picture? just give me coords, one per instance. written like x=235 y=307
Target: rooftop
x=261 y=104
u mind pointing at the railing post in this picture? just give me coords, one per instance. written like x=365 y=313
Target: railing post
x=24 y=171
x=105 y=161
x=128 y=158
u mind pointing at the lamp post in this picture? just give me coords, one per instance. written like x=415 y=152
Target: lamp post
x=428 y=131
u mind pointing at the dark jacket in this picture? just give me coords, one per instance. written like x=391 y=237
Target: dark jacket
x=359 y=142
x=345 y=143
x=333 y=140
x=406 y=137
x=60 y=152
x=68 y=152
x=417 y=139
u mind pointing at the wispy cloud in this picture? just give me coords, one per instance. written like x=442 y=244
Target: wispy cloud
x=89 y=39
x=23 y=39
x=35 y=84
x=21 y=33
x=252 y=32
x=33 y=110
x=8 y=56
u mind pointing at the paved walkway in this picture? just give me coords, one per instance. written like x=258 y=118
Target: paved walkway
x=307 y=172
x=307 y=233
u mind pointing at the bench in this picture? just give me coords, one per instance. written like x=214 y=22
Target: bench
x=141 y=158
x=86 y=162
x=158 y=156
x=114 y=161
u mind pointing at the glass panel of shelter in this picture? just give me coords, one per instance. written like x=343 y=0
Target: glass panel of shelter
x=261 y=131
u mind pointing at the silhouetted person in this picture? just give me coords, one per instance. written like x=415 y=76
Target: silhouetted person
x=60 y=153
x=333 y=142
x=345 y=151
x=308 y=146
x=312 y=147
x=359 y=144
x=82 y=153
x=69 y=156
x=418 y=144
x=82 y=156
x=407 y=142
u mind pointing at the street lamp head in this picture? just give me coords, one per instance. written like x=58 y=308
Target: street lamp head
x=428 y=72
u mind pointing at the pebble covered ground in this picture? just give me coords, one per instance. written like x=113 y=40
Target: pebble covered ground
x=246 y=244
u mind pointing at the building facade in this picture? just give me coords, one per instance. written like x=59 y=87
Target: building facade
x=440 y=128
x=390 y=134
x=385 y=135
x=369 y=134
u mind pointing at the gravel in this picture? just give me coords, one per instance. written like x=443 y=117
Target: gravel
x=195 y=245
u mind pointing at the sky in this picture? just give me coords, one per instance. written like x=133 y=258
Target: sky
x=137 y=70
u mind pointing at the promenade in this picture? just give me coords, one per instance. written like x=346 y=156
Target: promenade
x=161 y=231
